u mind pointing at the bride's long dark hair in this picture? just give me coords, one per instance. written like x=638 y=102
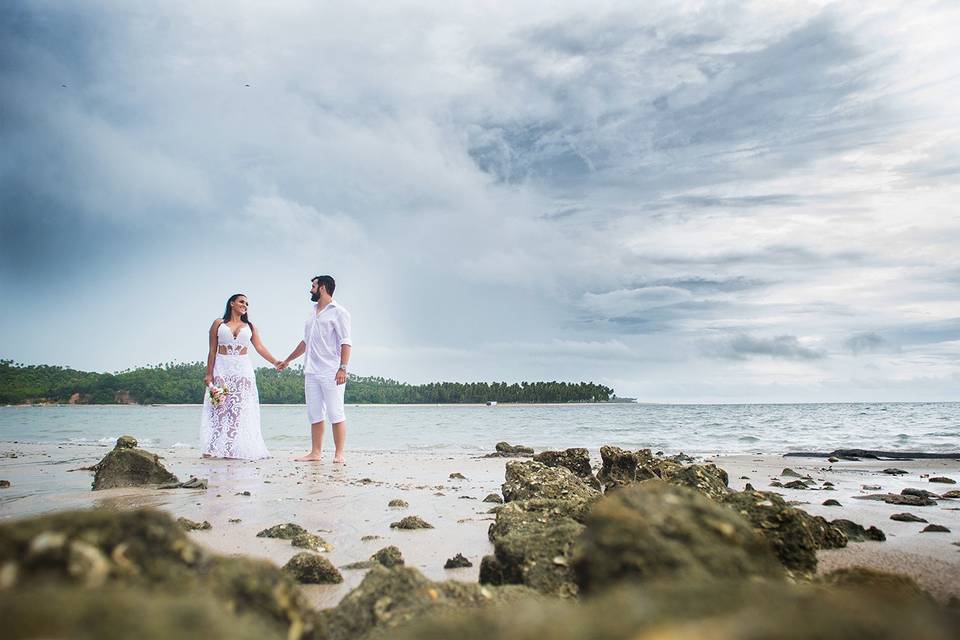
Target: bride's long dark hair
x=226 y=312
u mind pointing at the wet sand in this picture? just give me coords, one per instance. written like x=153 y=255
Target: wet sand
x=343 y=504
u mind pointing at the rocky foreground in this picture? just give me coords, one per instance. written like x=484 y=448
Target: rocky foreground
x=647 y=547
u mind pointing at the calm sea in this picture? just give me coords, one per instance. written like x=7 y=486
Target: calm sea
x=748 y=428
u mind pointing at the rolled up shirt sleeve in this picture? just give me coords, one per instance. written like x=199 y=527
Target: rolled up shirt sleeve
x=343 y=328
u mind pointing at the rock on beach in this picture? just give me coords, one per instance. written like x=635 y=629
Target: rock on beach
x=129 y=466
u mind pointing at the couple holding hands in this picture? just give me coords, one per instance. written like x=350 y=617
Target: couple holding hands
x=230 y=424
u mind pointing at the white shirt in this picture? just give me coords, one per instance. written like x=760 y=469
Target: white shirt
x=323 y=334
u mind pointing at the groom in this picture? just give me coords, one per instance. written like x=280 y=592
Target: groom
x=326 y=341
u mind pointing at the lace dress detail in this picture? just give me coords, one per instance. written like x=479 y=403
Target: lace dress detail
x=231 y=429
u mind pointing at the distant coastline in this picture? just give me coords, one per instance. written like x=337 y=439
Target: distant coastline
x=182 y=383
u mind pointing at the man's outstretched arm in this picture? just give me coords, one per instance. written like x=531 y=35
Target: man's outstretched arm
x=296 y=353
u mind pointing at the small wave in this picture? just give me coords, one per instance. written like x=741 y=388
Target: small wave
x=180 y=445
x=748 y=439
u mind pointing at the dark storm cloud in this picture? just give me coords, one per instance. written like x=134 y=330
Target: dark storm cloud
x=868 y=343
x=772 y=101
x=743 y=347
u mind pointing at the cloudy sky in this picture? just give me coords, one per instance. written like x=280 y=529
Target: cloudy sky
x=687 y=201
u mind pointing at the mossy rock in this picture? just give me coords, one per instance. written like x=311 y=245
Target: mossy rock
x=388 y=557
x=128 y=466
x=390 y=599
x=738 y=610
x=399 y=504
x=881 y=583
x=533 y=544
x=129 y=612
x=311 y=541
x=529 y=479
x=310 y=568
x=576 y=460
x=458 y=561
x=857 y=533
x=411 y=522
x=787 y=529
x=127 y=442
x=513 y=449
x=494 y=497
x=708 y=479
x=190 y=525
x=621 y=467
x=655 y=530
x=146 y=549
x=285 y=531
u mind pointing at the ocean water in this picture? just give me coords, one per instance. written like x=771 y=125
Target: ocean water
x=458 y=429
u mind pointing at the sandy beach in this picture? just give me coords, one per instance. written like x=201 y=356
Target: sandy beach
x=348 y=505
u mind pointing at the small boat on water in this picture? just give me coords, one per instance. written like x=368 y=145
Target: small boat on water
x=491 y=403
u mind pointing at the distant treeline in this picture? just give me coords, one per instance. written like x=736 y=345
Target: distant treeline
x=183 y=384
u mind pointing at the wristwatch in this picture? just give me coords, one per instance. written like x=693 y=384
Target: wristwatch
x=343 y=368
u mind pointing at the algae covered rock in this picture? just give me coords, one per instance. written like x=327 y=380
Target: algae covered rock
x=458 y=561
x=390 y=599
x=893 y=585
x=190 y=525
x=576 y=460
x=708 y=479
x=506 y=448
x=787 y=529
x=529 y=479
x=128 y=466
x=310 y=541
x=310 y=568
x=533 y=546
x=494 y=497
x=622 y=467
x=127 y=442
x=411 y=522
x=655 y=530
x=397 y=503
x=388 y=557
x=65 y=612
x=738 y=610
x=906 y=517
x=285 y=531
x=146 y=549
x=857 y=533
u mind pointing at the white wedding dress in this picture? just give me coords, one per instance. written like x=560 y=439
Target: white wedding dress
x=231 y=429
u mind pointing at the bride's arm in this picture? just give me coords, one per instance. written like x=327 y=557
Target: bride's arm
x=262 y=349
x=212 y=353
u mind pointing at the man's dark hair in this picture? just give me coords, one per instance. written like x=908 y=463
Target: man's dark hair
x=326 y=282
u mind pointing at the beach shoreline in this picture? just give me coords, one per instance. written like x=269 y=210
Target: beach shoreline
x=345 y=505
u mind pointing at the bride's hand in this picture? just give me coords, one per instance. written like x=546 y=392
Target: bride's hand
x=207 y=380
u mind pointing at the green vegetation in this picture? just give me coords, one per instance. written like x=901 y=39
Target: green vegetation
x=172 y=383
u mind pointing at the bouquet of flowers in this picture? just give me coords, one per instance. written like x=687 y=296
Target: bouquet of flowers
x=218 y=394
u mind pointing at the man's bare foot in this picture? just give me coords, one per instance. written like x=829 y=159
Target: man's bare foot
x=339 y=460
x=310 y=457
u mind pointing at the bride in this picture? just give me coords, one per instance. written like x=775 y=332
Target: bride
x=230 y=425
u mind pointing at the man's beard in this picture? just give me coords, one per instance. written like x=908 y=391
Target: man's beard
x=315 y=297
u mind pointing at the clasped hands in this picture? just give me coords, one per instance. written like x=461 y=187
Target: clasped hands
x=341 y=377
